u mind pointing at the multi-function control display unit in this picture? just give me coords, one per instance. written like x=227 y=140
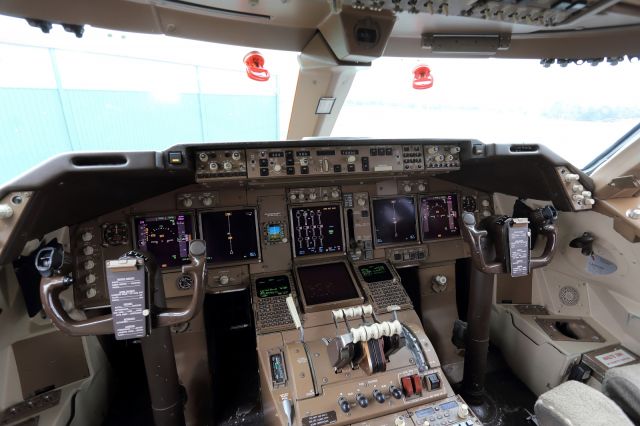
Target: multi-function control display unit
x=232 y=235
x=394 y=220
x=382 y=286
x=269 y=296
x=439 y=217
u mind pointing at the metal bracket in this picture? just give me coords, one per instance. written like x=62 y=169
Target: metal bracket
x=30 y=407
x=622 y=187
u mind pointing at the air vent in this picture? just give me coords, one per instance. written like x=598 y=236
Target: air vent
x=569 y=296
x=524 y=148
x=99 y=160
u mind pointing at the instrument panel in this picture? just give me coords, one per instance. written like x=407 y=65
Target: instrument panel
x=256 y=226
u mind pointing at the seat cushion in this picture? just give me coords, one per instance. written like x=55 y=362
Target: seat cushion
x=622 y=384
x=576 y=404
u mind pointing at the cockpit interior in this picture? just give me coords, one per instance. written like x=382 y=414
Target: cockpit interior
x=325 y=280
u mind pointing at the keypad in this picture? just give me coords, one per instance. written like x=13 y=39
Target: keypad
x=386 y=293
x=273 y=312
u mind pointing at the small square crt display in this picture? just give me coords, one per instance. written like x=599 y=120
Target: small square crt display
x=166 y=238
x=272 y=286
x=231 y=235
x=326 y=283
x=395 y=220
x=375 y=272
x=439 y=217
x=316 y=230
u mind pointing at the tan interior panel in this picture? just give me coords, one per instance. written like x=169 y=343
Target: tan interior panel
x=513 y=289
x=52 y=359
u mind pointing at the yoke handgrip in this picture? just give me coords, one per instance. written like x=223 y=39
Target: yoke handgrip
x=476 y=239
x=51 y=287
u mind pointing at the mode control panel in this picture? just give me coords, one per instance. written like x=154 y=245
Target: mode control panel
x=581 y=199
x=215 y=164
x=342 y=160
x=442 y=157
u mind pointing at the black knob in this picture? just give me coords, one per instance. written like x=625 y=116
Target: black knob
x=362 y=400
x=344 y=405
x=379 y=396
x=397 y=393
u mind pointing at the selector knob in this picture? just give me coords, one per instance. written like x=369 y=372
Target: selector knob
x=87 y=236
x=432 y=150
x=378 y=396
x=344 y=404
x=335 y=194
x=571 y=177
x=312 y=196
x=577 y=188
x=207 y=201
x=91 y=292
x=293 y=197
x=407 y=188
x=90 y=279
x=400 y=421
x=577 y=197
x=362 y=202
x=277 y=167
x=227 y=165
x=440 y=280
x=224 y=280
x=463 y=411
x=362 y=400
x=304 y=161
x=485 y=203
x=395 y=392
x=421 y=187
x=586 y=194
x=449 y=157
x=235 y=155
x=89 y=264
x=203 y=157
x=187 y=202
x=213 y=166
x=351 y=159
x=455 y=150
x=87 y=251
x=440 y=157
x=5 y=211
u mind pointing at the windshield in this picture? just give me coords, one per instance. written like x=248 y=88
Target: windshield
x=116 y=91
x=577 y=111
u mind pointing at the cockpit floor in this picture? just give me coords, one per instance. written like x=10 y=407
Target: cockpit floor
x=513 y=400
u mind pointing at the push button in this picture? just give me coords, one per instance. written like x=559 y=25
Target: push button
x=434 y=381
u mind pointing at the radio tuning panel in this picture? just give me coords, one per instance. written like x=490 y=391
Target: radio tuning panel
x=216 y=164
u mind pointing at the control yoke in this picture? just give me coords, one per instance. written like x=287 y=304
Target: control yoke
x=480 y=246
x=53 y=282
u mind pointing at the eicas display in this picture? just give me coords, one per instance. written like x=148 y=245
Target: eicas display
x=316 y=230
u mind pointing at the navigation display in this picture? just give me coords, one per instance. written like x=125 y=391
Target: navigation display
x=375 y=272
x=317 y=230
x=326 y=283
x=166 y=238
x=395 y=220
x=439 y=217
x=231 y=235
x=273 y=286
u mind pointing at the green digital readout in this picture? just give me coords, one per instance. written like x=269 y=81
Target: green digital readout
x=375 y=272
x=273 y=286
